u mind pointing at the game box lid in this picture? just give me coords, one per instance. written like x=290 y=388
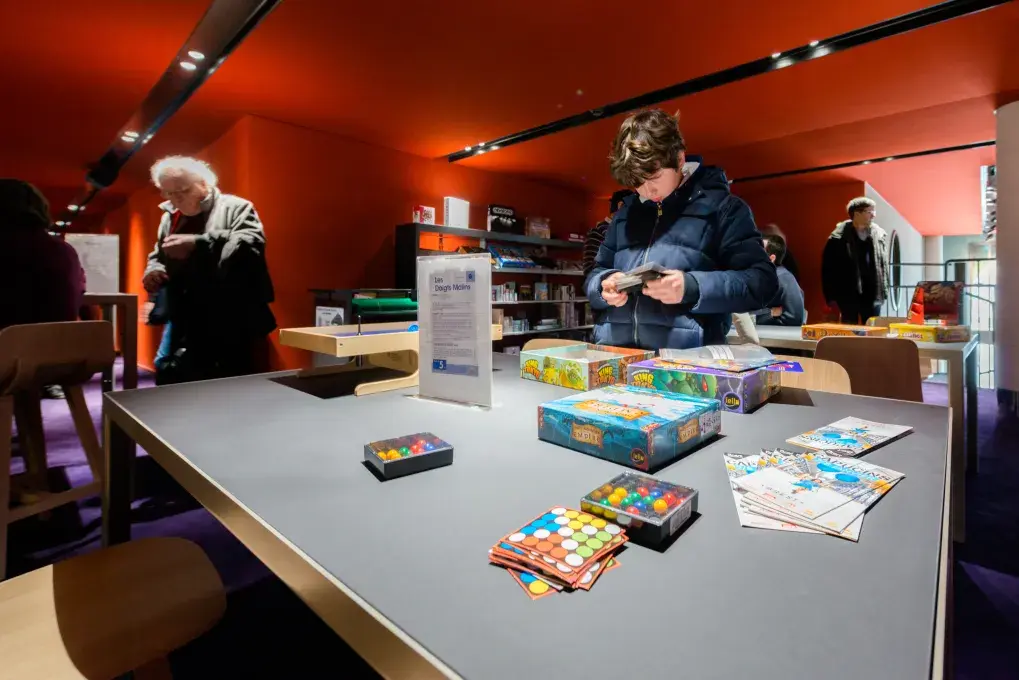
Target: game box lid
x=639 y=497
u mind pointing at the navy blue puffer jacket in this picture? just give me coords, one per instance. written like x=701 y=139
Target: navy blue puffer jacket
x=703 y=231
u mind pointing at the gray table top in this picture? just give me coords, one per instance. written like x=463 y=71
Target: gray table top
x=721 y=602
x=793 y=335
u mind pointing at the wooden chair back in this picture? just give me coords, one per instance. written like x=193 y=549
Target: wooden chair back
x=818 y=374
x=877 y=367
x=545 y=343
x=63 y=353
x=108 y=612
x=885 y=321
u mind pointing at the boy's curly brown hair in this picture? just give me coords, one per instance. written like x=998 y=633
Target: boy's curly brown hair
x=647 y=141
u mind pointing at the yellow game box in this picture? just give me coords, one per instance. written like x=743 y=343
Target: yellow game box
x=925 y=333
x=817 y=331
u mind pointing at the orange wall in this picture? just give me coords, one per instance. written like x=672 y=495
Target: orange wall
x=329 y=206
x=806 y=214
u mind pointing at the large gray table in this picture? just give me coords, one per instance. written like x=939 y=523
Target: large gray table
x=399 y=568
x=962 y=389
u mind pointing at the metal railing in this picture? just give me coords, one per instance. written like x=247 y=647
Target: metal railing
x=978 y=276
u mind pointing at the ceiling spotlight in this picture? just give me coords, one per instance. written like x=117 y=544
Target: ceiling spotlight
x=495 y=148
x=196 y=55
x=776 y=55
x=132 y=134
x=129 y=139
x=481 y=143
x=188 y=66
x=467 y=148
x=815 y=43
x=890 y=158
x=866 y=163
x=74 y=207
x=59 y=223
x=67 y=224
x=481 y=151
x=580 y=93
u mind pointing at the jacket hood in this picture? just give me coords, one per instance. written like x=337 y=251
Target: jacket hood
x=706 y=178
x=840 y=230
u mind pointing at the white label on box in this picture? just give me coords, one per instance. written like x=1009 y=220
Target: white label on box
x=328 y=316
x=681 y=516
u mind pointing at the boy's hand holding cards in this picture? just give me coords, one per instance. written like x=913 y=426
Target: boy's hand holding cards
x=668 y=288
x=636 y=278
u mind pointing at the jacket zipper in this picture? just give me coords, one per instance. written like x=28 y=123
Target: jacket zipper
x=643 y=261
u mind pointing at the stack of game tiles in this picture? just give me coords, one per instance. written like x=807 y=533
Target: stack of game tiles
x=811 y=492
x=561 y=549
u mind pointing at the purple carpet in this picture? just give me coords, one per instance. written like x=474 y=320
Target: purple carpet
x=268 y=632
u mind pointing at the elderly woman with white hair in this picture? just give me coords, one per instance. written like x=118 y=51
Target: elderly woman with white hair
x=209 y=268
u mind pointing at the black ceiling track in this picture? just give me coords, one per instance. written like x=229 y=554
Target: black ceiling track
x=868 y=161
x=225 y=24
x=929 y=16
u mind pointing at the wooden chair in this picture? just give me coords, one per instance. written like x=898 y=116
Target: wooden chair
x=927 y=367
x=820 y=375
x=877 y=367
x=32 y=356
x=109 y=612
x=544 y=343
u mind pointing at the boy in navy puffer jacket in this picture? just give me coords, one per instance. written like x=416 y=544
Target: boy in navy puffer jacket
x=685 y=219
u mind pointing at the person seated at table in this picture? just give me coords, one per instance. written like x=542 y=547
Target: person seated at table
x=684 y=219
x=787 y=308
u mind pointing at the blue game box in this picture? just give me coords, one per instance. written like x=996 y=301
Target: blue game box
x=634 y=426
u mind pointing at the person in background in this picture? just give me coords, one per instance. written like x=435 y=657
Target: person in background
x=790 y=261
x=595 y=237
x=854 y=265
x=787 y=309
x=209 y=260
x=41 y=277
x=684 y=219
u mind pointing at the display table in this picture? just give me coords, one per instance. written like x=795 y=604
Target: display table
x=962 y=389
x=399 y=568
x=127 y=303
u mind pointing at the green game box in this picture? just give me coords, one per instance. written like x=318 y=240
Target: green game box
x=640 y=428
x=737 y=391
x=582 y=366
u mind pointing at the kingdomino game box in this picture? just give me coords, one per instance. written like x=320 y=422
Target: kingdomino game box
x=738 y=391
x=640 y=428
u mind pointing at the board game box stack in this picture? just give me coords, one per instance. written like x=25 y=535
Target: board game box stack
x=650 y=510
x=633 y=426
x=582 y=366
x=740 y=377
x=813 y=492
x=408 y=454
x=817 y=331
x=936 y=302
x=560 y=550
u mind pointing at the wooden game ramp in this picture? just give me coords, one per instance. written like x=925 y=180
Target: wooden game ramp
x=386 y=345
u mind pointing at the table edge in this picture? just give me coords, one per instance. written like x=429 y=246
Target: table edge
x=388 y=649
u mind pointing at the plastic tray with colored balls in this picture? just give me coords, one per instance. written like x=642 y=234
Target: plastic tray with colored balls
x=408 y=454
x=650 y=509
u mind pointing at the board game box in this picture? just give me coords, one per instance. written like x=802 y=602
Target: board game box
x=936 y=302
x=737 y=391
x=926 y=333
x=649 y=509
x=408 y=454
x=582 y=366
x=817 y=331
x=641 y=428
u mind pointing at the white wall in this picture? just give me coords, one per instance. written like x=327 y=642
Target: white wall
x=1006 y=329
x=911 y=249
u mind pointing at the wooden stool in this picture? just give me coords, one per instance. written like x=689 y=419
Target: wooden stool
x=877 y=367
x=109 y=612
x=820 y=375
x=33 y=356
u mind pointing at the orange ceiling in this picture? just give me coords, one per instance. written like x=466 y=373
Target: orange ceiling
x=438 y=76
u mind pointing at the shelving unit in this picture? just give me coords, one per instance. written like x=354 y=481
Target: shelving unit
x=408 y=248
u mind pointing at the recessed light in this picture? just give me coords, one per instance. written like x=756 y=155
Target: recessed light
x=188 y=66
x=129 y=139
x=481 y=143
x=73 y=207
x=196 y=55
x=59 y=223
x=890 y=158
x=866 y=162
x=67 y=224
x=776 y=55
x=467 y=148
x=481 y=151
x=580 y=93
x=131 y=133
x=815 y=43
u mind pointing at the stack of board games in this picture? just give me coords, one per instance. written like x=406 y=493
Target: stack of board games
x=408 y=454
x=561 y=549
x=651 y=510
x=582 y=366
x=817 y=331
x=740 y=377
x=930 y=333
x=811 y=492
x=633 y=426
x=936 y=302
x=850 y=437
